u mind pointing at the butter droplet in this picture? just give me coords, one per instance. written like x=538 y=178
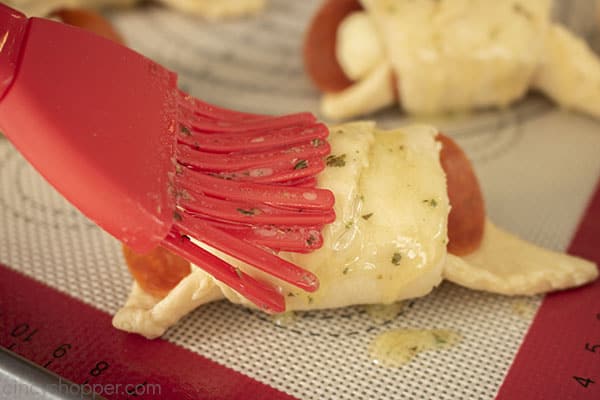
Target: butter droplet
x=398 y=347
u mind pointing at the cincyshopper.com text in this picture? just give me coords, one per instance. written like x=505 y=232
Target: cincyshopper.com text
x=20 y=390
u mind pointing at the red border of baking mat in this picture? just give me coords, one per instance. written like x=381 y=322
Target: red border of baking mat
x=560 y=356
x=79 y=343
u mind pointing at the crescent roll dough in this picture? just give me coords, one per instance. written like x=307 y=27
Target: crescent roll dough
x=457 y=55
x=388 y=242
x=215 y=9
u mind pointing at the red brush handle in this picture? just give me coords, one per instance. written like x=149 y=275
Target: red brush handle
x=12 y=29
x=101 y=123
x=92 y=117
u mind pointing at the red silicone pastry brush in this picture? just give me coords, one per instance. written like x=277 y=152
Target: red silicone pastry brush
x=153 y=166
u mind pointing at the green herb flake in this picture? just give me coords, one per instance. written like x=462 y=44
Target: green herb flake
x=345 y=271
x=290 y=294
x=177 y=216
x=184 y=130
x=183 y=194
x=310 y=299
x=252 y=211
x=519 y=9
x=311 y=240
x=367 y=216
x=396 y=258
x=349 y=224
x=432 y=202
x=494 y=32
x=301 y=164
x=439 y=338
x=336 y=161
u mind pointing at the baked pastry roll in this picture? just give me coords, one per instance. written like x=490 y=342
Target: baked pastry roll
x=409 y=214
x=445 y=56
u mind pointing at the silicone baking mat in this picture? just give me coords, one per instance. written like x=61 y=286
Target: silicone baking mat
x=539 y=167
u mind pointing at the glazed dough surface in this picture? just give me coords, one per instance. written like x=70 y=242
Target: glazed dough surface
x=388 y=242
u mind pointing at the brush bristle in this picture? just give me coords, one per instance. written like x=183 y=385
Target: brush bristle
x=246 y=185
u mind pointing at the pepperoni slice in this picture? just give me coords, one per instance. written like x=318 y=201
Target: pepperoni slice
x=158 y=271
x=320 y=60
x=466 y=221
x=89 y=20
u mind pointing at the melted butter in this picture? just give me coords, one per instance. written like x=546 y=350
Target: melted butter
x=523 y=309
x=397 y=347
x=384 y=312
x=284 y=319
x=403 y=171
x=397 y=251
